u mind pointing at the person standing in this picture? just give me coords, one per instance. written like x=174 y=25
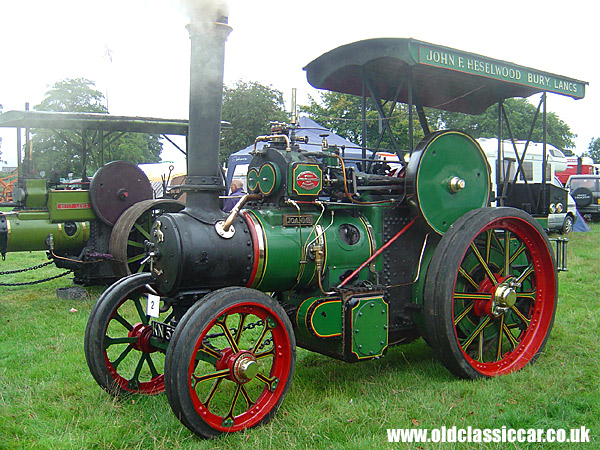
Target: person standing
x=237 y=190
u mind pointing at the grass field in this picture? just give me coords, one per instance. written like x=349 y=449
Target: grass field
x=48 y=399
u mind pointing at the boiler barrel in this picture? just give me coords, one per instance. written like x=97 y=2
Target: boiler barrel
x=30 y=231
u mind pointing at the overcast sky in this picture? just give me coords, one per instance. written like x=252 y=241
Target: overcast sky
x=44 y=41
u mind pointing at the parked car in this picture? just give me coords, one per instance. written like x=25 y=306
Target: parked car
x=585 y=190
x=562 y=219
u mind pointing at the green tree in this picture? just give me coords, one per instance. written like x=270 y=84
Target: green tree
x=341 y=113
x=73 y=95
x=594 y=150
x=65 y=151
x=520 y=114
x=249 y=107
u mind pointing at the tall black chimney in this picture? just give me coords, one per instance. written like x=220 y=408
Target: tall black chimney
x=204 y=181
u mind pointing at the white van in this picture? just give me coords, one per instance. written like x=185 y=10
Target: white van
x=561 y=217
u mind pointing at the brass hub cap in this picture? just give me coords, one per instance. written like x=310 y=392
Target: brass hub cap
x=245 y=367
x=505 y=298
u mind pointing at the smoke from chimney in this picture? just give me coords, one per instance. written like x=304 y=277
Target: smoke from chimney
x=205 y=11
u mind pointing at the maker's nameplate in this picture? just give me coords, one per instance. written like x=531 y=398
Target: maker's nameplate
x=291 y=220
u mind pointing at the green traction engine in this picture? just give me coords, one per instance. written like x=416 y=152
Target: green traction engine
x=345 y=257
x=325 y=256
x=96 y=229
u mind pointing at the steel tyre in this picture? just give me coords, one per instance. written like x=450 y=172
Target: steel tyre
x=132 y=228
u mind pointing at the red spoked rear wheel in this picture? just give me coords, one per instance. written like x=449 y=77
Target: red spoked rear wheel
x=490 y=293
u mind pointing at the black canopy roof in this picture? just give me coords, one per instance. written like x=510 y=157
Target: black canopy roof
x=443 y=78
x=95 y=121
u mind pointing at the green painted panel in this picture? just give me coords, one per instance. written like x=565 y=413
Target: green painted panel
x=36 y=193
x=326 y=319
x=369 y=327
x=283 y=249
x=543 y=221
x=288 y=262
x=320 y=317
x=69 y=205
x=306 y=180
x=456 y=60
x=347 y=247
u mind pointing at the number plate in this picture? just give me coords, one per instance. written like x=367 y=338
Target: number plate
x=153 y=305
x=162 y=330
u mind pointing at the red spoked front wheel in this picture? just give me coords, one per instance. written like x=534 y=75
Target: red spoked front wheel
x=490 y=294
x=121 y=353
x=230 y=362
